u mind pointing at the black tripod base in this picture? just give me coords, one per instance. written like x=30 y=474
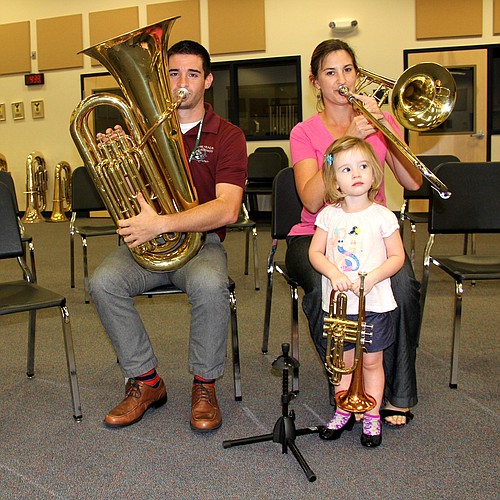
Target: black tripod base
x=284 y=432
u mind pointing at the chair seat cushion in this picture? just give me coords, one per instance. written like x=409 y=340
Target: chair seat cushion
x=88 y=230
x=21 y=296
x=469 y=267
x=417 y=217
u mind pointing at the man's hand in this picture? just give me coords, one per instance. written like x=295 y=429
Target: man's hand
x=142 y=227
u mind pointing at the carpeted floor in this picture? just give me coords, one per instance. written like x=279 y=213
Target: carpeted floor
x=450 y=449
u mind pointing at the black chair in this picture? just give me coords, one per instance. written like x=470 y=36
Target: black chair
x=275 y=149
x=173 y=290
x=286 y=211
x=244 y=223
x=85 y=199
x=27 y=240
x=262 y=169
x=473 y=208
x=424 y=193
x=26 y=296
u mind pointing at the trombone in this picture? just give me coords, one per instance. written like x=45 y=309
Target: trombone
x=422 y=98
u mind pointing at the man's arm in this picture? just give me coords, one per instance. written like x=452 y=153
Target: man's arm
x=224 y=209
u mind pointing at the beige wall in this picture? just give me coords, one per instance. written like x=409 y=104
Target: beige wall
x=293 y=27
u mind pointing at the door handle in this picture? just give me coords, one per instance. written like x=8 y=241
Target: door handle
x=478 y=135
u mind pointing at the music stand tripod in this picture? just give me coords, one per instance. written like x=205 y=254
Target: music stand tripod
x=284 y=431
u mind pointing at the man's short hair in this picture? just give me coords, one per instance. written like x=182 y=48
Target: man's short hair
x=192 y=48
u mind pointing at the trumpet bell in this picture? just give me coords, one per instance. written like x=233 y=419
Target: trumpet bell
x=424 y=96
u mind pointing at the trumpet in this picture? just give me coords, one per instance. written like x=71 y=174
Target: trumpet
x=422 y=98
x=36 y=188
x=61 y=201
x=338 y=329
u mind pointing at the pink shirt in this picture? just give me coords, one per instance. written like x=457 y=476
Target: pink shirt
x=310 y=139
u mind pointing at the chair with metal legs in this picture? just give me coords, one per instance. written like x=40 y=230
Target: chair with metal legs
x=424 y=194
x=26 y=296
x=173 y=290
x=473 y=208
x=85 y=199
x=244 y=223
x=286 y=210
x=27 y=240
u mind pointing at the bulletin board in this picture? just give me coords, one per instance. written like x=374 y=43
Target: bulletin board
x=101 y=29
x=16 y=48
x=187 y=27
x=59 y=39
x=236 y=26
x=448 y=18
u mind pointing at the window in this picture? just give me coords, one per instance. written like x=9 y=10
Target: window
x=262 y=96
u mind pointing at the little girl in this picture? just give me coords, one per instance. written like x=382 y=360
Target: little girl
x=354 y=234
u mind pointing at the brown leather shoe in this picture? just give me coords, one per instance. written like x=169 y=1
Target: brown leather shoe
x=205 y=411
x=138 y=398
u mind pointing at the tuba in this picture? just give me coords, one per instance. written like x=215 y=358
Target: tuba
x=422 y=98
x=338 y=330
x=36 y=188
x=150 y=160
x=61 y=201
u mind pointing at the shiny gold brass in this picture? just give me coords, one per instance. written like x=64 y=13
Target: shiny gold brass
x=422 y=98
x=36 y=188
x=61 y=201
x=338 y=330
x=150 y=160
x=3 y=163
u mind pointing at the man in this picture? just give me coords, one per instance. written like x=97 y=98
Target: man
x=218 y=162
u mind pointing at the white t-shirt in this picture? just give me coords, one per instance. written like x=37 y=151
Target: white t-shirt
x=355 y=243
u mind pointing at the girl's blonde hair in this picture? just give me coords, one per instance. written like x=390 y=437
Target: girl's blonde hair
x=332 y=194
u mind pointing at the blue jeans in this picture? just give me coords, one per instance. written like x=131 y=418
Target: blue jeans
x=204 y=278
x=400 y=357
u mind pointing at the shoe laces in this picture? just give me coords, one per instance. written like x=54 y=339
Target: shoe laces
x=134 y=391
x=203 y=393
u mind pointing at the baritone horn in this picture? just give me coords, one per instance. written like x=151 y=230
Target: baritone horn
x=61 y=201
x=422 y=98
x=36 y=188
x=338 y=330
x=151 y=159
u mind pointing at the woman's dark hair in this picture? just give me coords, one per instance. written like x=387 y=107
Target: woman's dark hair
x=324 y=48
x=192 y=48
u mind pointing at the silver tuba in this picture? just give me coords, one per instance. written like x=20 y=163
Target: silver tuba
x=61 y=201
x=151 y=160
x=36 y=188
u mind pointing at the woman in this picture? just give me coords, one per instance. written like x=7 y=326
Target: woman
x=333 y=63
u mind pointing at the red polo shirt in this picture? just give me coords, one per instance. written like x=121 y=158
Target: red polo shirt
x=220 y=157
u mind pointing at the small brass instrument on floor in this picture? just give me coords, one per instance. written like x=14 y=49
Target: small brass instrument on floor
x=422 y=98
x=152 y=159
x=61 y=201
x=338 y=330
x=3 y=163
x=36 y=188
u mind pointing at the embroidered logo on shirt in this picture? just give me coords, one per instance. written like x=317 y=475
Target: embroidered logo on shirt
x=201 y=153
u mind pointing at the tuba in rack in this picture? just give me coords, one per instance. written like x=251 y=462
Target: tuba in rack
x=338 y=330
x=150 y=160
x=61 y=201
x=36 y=188
x=422 y=98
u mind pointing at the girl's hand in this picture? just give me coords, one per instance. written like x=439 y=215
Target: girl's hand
x=340 y=282
x=369 y=284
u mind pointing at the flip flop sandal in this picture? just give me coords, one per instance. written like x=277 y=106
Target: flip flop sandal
x=396 y=413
